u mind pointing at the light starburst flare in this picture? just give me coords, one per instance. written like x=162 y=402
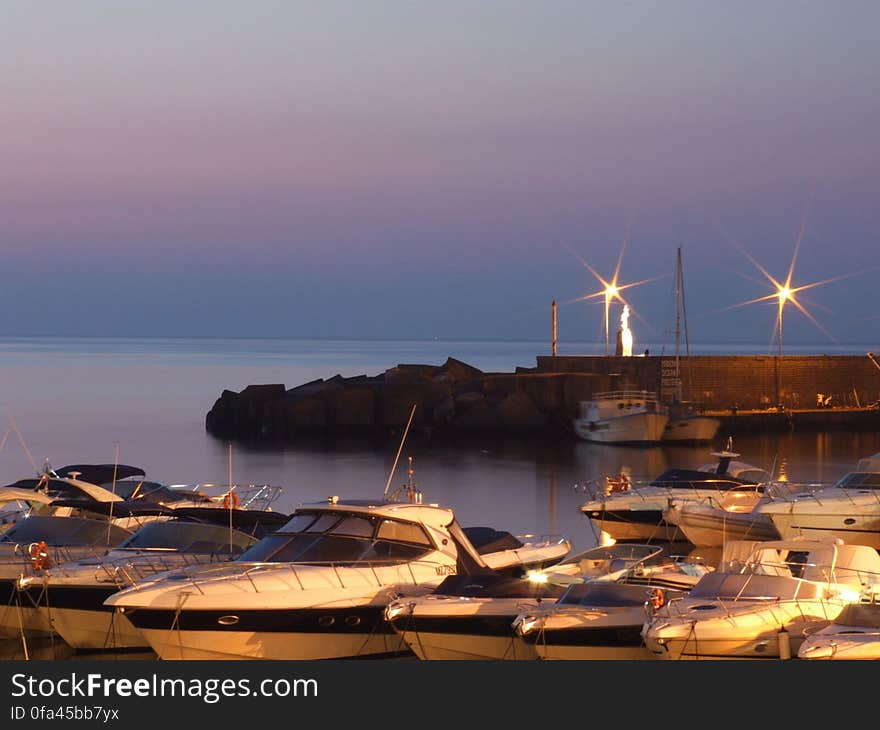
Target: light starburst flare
x=611 y=291
x=784 y=292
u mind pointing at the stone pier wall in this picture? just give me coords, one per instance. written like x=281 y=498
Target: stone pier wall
x=456 y=397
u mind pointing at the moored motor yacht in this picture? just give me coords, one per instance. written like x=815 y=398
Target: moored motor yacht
x=34 y=545
x=848 y=510
x=71 y=595
x=471 y=616
x=602 y=618
x=760 y=607
x=627 y=511
x=315 y=589
x=853 y=634
x=731 y=515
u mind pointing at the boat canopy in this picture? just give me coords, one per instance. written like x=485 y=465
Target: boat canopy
x=864 y=615
x=189 y=537
x=64 y=532
x=860 y=480
x=98 y=473
x=749 y=586
x=489 y=540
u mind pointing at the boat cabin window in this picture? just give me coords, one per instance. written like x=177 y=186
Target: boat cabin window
x=355 y=527
x=298 y=523
x=71 y=531
x=860 y=480
x=402 y=532
x=335 y=537
x=191 y=537
x=604 y=594
x=324 y=522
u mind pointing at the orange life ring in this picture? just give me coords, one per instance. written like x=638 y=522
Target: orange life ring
x=657 y=598
x=39 y=555
x=230 y=500
x=619 y=484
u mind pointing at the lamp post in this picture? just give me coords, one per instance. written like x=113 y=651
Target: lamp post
x=784 y=293
x=611 y=291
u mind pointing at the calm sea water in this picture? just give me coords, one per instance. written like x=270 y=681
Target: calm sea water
x=82 y=400
x=79 y=400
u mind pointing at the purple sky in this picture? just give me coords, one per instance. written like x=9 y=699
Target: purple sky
x=419 y=169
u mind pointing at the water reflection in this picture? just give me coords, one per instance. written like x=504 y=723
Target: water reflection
x=53 y=648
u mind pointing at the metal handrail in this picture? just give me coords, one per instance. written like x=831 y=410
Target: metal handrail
x=204 y=574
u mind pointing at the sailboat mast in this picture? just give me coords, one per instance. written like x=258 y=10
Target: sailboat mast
x=678 y=327
x=681 y=312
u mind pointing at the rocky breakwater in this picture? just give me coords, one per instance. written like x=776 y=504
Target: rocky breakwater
x=451 y=398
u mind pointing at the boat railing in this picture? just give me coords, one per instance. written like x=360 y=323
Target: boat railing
x=249 y=496
x=58 y=555
x=248 y=571
x=127 y=570
x=646 y=395
x=542 y=540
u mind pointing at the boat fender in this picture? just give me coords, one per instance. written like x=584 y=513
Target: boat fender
x=39 y=555
x=784 y=643
x=657 y=598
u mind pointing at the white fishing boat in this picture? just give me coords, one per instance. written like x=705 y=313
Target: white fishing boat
x=626 y=417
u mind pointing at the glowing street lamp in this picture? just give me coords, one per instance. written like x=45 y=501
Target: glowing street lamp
x=784 y=295
x=610 y=291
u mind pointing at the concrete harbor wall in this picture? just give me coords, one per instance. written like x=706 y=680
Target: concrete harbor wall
x=745 y=391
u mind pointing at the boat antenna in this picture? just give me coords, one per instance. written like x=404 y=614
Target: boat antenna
x=229 y=499
x=115 y=467
x=23 y=444
x=399 y=449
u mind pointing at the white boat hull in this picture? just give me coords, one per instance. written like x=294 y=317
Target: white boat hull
x=748 y=634
x=173 y=644
x=86 y=630
x=851 y=645
x=442 y=646
x=861 y=529
x=636 y=428
x=693 y=429
x=31 y=620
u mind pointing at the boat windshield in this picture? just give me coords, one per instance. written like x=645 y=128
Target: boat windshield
x=188 y=537
x=864 y=615
x=318 y=537
x=695 y=479
x=860 y=480
x=64 y=531
x=604 y=595
x=749 y=586
x=156 y=493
